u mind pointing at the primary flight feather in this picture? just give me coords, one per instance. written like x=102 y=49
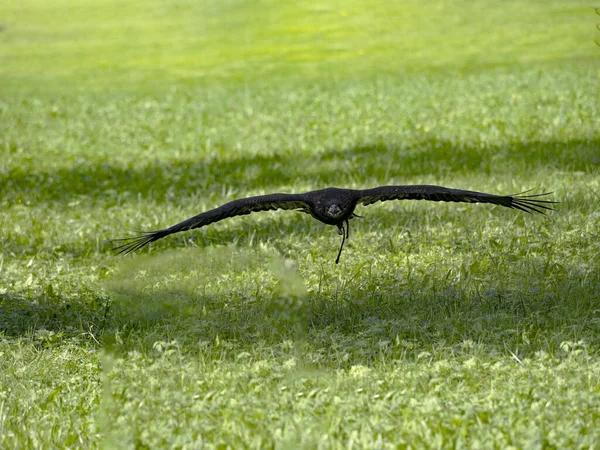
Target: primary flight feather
x=334 y=206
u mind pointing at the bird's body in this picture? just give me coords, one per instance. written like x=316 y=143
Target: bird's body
x=335 y=206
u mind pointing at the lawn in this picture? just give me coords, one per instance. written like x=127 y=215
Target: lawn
x=444 y=325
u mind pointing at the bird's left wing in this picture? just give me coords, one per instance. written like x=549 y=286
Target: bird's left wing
x=527 y=203
x=234 y=208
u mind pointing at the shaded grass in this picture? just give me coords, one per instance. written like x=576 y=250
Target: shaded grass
x=363 y=303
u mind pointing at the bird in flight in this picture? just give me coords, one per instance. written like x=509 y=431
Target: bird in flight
x=334 y=206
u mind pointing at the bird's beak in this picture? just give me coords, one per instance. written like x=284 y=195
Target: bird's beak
x=334 y=210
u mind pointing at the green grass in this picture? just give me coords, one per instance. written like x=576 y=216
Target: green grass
x=443 y=326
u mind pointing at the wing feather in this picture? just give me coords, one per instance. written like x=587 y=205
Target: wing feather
x=526 y=203
x=234 y=208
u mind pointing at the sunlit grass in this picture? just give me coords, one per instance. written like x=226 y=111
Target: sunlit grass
x=151 y=46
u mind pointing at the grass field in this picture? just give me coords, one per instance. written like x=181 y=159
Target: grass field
x=443 y=326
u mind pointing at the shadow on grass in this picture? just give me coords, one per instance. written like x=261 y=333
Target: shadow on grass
x=216 y=302
x=166 y=181
x=26 y=315
x=211 y=304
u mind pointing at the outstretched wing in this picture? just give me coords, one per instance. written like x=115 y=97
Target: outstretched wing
x=527 y=203
x=239 y=207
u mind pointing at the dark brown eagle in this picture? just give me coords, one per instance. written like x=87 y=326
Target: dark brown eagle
x=334 y=206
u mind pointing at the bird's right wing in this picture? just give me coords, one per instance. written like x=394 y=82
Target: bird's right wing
x=527 y=203
x=234 y=208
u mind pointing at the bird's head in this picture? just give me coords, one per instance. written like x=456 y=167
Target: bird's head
x=334 y=210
